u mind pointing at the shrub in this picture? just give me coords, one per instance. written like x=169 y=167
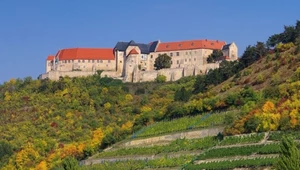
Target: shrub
x=284 y=47
x=70 y=163
x=161 y=79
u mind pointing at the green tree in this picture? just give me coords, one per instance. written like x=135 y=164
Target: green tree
x=5 y=152
x=182 y=95
x=70 y=163
x=290 y=155
x=261 y=49
x=162 y=61
x=214 y=56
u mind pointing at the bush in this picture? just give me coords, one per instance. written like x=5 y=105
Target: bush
x=161 y=79
x=70 y=163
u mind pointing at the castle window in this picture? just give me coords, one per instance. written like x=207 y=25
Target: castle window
x=171 y=54
x=177 y=53
x=195 y=52
x=190 y=59
x=186 y=53
x=177 y=61
x=120 y=61
x=185 y=60
x=108 y=61
x=78 y=61
x=151 y=56
x=194 y=59
x=93 y=61
x=89 y=61
x=83 y=61
x=101 y=61
x=106 y=65
x=171 y=62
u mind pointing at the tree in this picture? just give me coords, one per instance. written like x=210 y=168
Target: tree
x=70 y=163
x=162 y=61
x=5 y=152
x=261 y=49
x=214 y=56
x=290 y=155
x=182 y=95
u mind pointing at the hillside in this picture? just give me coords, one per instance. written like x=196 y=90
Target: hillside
x=54 y=124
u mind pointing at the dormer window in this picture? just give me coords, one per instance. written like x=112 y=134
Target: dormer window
x=179 y=45
x=192 y=44
x=212 y=43
x=167 y=46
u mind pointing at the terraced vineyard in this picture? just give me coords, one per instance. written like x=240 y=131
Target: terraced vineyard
x=185 y=123
x=211 y=153
x=141 y=164
x=183 y=145
x=231 y=164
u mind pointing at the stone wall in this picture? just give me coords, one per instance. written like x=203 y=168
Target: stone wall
x=54 y=75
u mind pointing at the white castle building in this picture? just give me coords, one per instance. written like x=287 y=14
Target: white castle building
x=134 y=62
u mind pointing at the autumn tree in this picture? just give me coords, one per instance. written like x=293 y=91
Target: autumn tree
x=290 y=155
x=162 y=61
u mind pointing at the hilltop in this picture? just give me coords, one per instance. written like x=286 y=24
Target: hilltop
x=51 y=124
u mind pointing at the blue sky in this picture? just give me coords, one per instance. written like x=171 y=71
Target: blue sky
x=30 y=30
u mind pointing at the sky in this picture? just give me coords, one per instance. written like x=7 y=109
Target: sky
x=30 y=30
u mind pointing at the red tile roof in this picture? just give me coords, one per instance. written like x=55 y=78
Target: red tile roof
x=50 y=57
x=133 y=51
x=189 y=45
x=86 y=54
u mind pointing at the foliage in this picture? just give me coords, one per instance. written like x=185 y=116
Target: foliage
x=161 y=79
x=70 y=163
x=162 y=61
x=182 y=95
x=290 y=34
x=5 y=152
x=290 y=155
x=175 y=146
x=232 y=164
x=216 y=54
x=163 y=162
x=183 y=123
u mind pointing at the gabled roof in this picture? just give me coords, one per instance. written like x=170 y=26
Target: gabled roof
x=133 y=51
x=86 y=54
x=189 y=45
x=226 y=47
x=145 y=48
x=50 y=57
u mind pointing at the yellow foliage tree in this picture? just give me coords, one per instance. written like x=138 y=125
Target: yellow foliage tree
x=42 y=166
x=145 y=109
x=128 y=97
x=97 y=137
x=127 y=126
x=107 y=106
x=26 y=157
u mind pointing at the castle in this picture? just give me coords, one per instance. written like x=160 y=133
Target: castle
x=134 y=62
